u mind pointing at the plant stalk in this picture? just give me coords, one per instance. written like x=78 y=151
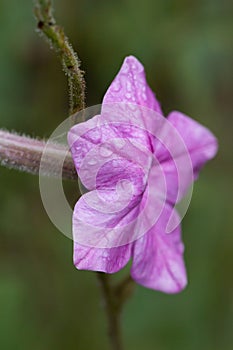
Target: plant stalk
x=114 y=298
x=55 y=34
x=24 y=153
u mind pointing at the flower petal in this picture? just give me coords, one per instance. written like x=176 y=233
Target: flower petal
x=99 y=232
x=101 y=221
x=158 y=258
x=200 y=142
x=186 y=146
x=130 y=86
x=108 y=260
x=102 y=148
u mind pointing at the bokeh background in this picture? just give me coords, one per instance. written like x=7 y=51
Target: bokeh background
x=186 y=47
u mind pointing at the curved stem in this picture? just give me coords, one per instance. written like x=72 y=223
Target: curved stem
x=46 y=24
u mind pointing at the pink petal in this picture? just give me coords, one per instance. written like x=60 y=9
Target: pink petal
x=200 y=142
x=158 y=258
x=108 y=260
x=118 y=121
x=99 y=233
x=186 y=147
x=99 y=220
x=130 y=86
x=100 y=149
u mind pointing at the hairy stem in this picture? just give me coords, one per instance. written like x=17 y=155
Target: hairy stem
x=114 y=298
x=46 y=24
x=24 y=153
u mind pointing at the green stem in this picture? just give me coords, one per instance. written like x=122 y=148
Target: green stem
x=114 y=298
x=55 y=34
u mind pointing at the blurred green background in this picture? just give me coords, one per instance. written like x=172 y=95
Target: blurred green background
x=187 y=50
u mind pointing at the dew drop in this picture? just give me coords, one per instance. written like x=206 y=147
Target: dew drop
x=105 y=253
x=116 y=86
x=95 y=135
x=119 y=143
x=125 y=68
x=92 y=161
x=105 y=151
x=144 y=96
x=128 y=86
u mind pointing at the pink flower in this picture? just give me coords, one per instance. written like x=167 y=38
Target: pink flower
x=136 y=165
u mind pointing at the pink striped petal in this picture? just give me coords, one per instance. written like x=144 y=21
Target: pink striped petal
x=158 y=258
x=130 y=86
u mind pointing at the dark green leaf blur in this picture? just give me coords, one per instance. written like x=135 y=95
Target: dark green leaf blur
x=187 y=50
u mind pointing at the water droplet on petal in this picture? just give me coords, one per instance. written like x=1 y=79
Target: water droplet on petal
x=116 y=86
x=77 y=148
x=125 y=67
x=128 y=86
x=92 y=161
x=105 y=253
x=95 y=135
x=119 y=143
x=105 y=151
x=144 y=97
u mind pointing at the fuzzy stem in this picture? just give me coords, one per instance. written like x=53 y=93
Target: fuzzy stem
x=46 y=24
x=24 y=153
